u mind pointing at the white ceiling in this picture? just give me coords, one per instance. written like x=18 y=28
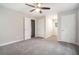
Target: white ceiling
x=55 y=8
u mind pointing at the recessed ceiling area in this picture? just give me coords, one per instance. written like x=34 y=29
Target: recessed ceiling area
x=55 y=8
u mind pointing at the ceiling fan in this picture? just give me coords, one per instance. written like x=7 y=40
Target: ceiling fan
x=38 y=7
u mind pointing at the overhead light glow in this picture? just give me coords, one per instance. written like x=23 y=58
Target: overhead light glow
x=37 y=10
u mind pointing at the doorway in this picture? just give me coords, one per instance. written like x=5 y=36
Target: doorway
x=32 y=28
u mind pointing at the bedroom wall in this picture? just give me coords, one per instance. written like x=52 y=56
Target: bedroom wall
x=40 y=27
x=67 y=26
x=45 y=27
x=11 y=25
x=27 y=23
x=49 y=26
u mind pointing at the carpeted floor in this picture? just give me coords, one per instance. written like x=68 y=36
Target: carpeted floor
x=40 y=46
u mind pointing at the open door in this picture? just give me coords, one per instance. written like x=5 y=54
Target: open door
x=32 y=28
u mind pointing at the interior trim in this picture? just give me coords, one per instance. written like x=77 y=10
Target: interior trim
x=10 y=42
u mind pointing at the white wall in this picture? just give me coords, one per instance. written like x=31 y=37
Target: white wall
x=40 y=27
x=27 y=28
x=45 y=27
x=49 y=25
x=68 y=26
x=11 y=25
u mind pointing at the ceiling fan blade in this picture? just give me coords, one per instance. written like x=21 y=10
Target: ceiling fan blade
x=32 y=10
x=30 y=5
x=45 y=8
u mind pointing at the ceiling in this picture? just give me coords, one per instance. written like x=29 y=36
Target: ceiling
x=55 y=8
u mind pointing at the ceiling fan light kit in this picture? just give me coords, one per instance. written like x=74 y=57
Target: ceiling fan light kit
x=38 y=8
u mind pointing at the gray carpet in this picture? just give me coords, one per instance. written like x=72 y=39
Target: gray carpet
x=39 y=47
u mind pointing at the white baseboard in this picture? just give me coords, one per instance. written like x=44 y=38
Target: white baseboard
x=68 y=42
x=10 y=42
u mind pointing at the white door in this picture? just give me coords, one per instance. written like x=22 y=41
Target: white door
x=41 y=28
x=27 y=28
x=68 y=28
